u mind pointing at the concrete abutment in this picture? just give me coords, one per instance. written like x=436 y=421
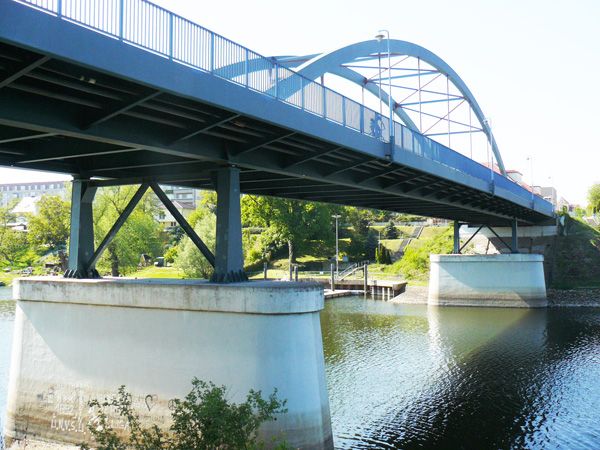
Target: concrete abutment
x=80 y=339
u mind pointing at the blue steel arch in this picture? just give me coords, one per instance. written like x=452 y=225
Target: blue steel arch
x=314 y=66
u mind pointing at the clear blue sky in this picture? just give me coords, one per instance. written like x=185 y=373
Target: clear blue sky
x=532 y=65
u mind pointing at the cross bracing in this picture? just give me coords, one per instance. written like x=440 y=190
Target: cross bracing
x=124 y=115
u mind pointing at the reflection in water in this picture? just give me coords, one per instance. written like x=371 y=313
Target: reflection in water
x=416 y=377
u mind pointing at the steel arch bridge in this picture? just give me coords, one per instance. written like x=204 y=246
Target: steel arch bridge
x=128 y=93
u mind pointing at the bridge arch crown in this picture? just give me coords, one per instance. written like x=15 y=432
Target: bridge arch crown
x=428 y=96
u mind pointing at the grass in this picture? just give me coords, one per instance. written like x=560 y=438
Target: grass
x=8 y=277
x=429 y=232
x=392 y=245
x=159 y=272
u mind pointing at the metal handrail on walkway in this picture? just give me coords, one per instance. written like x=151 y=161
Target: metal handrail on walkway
x=352 y=269
x=155 y=29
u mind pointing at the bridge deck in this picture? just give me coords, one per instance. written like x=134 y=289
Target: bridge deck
x=88 y=104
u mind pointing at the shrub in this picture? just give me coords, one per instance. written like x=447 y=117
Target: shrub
x=205 y=420
x=171 y=254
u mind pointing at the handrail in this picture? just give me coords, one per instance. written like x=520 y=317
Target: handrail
x=155 y=29
x=352 y=269
x=347 y=271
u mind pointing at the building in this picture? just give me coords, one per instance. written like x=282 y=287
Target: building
x=548 y=194
x=165 y=217
x=17 y=191
x=183 y=195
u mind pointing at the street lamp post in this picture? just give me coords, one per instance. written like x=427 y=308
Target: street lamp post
x=337 y=268
x=379 y=38
x=530 y=159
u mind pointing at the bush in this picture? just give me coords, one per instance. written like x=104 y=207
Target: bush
x=205 y=420
x=171 y=254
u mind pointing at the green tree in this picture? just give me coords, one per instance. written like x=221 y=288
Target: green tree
x=11 y=243
x=140 y=233
x=360 y=219
x=293 y=221
x=6 y=232
x=390 y=231
x=50 y=226
x=189 y=258
x=371 y=245
x=593 y=196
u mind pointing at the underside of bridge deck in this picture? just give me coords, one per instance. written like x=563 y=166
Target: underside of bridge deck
x=56 y=115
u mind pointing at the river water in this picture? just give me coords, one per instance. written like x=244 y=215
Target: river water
x=413 y=377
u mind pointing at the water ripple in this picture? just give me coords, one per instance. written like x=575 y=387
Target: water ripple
x=416 y=377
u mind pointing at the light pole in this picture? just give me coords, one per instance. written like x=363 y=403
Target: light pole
x=530 y=159
x=337 y=269
x=379 y=38
x=552 y=190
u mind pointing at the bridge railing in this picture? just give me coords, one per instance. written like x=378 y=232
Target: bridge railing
x=150 y=27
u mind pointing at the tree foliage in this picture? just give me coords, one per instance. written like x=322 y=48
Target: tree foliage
x=204 y=420
x=371 y=245
x=360 y=219
x=593 y=197
x=292 y=221
x=189 y=258
x=51 y=225
x=390 y=231
x=140 y=233
x=383 y=255
x=7 y=234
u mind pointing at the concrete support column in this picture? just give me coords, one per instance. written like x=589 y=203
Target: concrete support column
x=456 y=237
x=229 y=258
x=81 y=242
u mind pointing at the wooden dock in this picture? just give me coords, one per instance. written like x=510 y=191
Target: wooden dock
x=384 y=288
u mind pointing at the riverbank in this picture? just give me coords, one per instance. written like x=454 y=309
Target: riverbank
x=557 y=298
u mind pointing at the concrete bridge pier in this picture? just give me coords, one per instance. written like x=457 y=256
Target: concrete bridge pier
x=81 y=339
x=500 y=280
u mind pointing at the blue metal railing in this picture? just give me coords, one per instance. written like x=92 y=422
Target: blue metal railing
x=155 y=29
